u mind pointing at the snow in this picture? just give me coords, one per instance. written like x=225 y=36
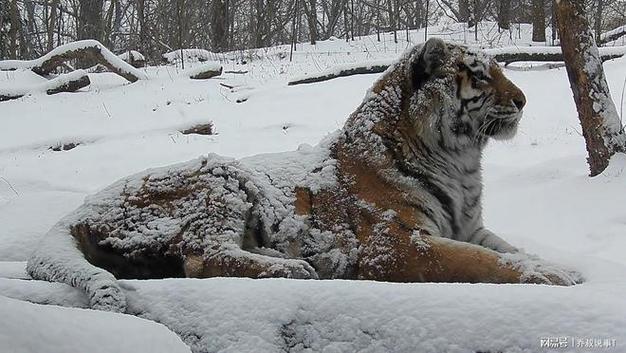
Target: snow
x=32 y=328
x=242 y=315
x=537 y=196
x=13 y=270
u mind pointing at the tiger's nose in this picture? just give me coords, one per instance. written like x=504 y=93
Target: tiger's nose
x=519 y=101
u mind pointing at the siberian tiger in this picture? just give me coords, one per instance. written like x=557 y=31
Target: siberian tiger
x=393 y=196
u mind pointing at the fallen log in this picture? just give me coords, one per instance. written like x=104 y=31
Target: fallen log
x=200 y=129
x=204 y=71
x=509 y=55
x=134 y=58
x=70 y=82
x=343 y=71
x=612 y=35
x=505 y=55
x=81 y=50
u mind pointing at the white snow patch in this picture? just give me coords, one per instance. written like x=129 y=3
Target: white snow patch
x=32 y=328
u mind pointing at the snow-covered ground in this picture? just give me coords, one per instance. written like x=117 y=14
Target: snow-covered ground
x=537 y=196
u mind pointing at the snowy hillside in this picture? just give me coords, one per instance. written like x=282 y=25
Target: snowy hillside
x=55 y=150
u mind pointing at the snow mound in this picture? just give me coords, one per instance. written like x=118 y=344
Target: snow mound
x=27 y=328
x=275 y=315
x=13 y=269
x=189 y=55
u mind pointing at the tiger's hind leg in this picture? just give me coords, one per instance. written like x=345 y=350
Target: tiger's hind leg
x=399 y=255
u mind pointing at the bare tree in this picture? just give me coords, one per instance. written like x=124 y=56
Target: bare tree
x=597 y=26
x=539 y=21
x=504 y=14
x=600 y=123
x=90 y=24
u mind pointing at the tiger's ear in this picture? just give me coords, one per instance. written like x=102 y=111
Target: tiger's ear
x=432 y=56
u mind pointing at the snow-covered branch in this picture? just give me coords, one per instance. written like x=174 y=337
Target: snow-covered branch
x=70 y=82
x=84 y=49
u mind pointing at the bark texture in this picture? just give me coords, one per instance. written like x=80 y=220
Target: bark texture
x=598 y=117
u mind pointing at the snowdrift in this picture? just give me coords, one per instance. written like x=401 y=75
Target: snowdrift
x=32 y=328
x=276 y=315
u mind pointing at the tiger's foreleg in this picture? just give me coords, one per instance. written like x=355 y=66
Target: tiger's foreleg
x=229 y=260
x=399 y=255
x=488 y=239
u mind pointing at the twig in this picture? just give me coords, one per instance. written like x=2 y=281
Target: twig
x=10 y=186
x=106 y=110
x=621 y=107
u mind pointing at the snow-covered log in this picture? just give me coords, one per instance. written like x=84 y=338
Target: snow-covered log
x=343 y=71
x=204 y=71
x=509 y=55
x=189 y=55
x=70 y=82
x=505 y=55
x=612 y=35
x=84 y=49
x=133 y=57
x=601 y=126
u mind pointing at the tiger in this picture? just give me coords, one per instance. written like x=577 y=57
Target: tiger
x=395 y=195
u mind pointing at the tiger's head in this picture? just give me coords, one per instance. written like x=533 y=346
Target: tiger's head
x=464 y=91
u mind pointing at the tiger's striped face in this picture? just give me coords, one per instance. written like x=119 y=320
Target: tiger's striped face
x=490 y=104
x=476 y=101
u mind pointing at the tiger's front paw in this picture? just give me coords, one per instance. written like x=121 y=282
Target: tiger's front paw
x=290 y=268
x=552 y=275
x=535 y=270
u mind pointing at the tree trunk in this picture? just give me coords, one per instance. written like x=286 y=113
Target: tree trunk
x=504 y=14
x=90 y=20
x=598 y=117
x=219 y=25
x=15 y=22
x=463 y=10
x=553 y=21
x=539 y=21
x=310 y=7
x=597 y=23
x=141 y=18
x=51 y=25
